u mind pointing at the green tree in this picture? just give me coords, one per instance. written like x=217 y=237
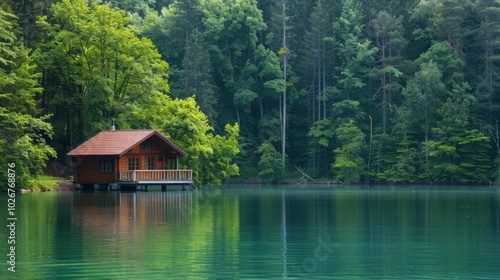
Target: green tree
x=459 y=152
x=475 y=158
x=28 y=11
x=354 y=63
x=246 y=72
x=232 y=28
x=443 y=20
x=316 y=71
x=436 y=106
x=405 y=162
x=321 y=132
x=269 y=87
x=270 y=170
x=448 y=61
x=319 y=59
x=97 y=69
x=488 y=38
x=367 y=61
x=353 y=49
x=413 y=124
x=388 y=32
x=423 y=96
x=23 y=130
x=348 y=166
x=209 y=156
x=196 y=77
x=280 y=39
x=172 y=32
x=132 y=6
x=444 y=161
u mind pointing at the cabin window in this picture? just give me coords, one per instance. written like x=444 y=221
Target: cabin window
x=133 y=163
x=107 y=165
x=150 y=163
x=171 y=163
x=160 y=158
x=146 y=146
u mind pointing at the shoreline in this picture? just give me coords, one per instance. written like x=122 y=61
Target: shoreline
x=62 y=186
x=65 y=185
x=68 y=185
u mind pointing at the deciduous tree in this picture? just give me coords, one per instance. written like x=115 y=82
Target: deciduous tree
x=97 y=69
x=210 y=156
x=23 y=129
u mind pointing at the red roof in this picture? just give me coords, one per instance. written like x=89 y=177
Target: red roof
x=117 y=142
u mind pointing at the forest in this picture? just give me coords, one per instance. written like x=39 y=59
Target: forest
x=352 y=91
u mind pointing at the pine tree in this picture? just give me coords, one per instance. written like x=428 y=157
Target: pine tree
x=171 y=32
x=388 y=33
x=353 y=50
x=317 y=75
x=28 y=11
x=196 y=77
x=423 y=96
x=348 y=165
x=488 y=38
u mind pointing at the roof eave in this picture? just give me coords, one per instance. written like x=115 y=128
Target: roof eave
x=75 y=152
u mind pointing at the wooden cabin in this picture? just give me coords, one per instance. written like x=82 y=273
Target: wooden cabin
x=128 y=157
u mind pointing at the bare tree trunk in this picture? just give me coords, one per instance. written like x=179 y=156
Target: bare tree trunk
x=324 y=79
x=283 y=125
x=384 y=86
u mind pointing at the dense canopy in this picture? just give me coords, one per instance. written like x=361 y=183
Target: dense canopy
x=354 y=90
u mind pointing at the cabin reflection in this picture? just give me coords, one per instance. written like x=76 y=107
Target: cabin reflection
x=132 y=213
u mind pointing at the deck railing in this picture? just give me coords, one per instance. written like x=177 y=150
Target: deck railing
x=156 y=175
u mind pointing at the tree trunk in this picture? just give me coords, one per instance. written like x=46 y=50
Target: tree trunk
x=283 y=125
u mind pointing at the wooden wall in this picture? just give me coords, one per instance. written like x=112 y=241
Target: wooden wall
x=89 y=170
x=157 y=149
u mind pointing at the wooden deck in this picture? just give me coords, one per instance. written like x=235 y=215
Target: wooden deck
x=156 y=177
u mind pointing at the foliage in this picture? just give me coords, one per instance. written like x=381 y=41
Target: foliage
x=209 y=156
x=412 y=83
x=270 y=170
x=196 y=76
x=23 y=130
x=321 y=132
x=348 y=165
x=99 y=70
x=44 y=183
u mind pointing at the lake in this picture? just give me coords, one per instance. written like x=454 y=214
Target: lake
x=256 y=232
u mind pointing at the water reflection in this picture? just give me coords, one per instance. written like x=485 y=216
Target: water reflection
x=384 y=232
x=132 y=210
x=260 y=232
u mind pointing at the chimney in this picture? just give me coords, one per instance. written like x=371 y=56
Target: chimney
x=113 y=126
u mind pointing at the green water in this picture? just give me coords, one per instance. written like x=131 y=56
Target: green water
x=245 y=232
